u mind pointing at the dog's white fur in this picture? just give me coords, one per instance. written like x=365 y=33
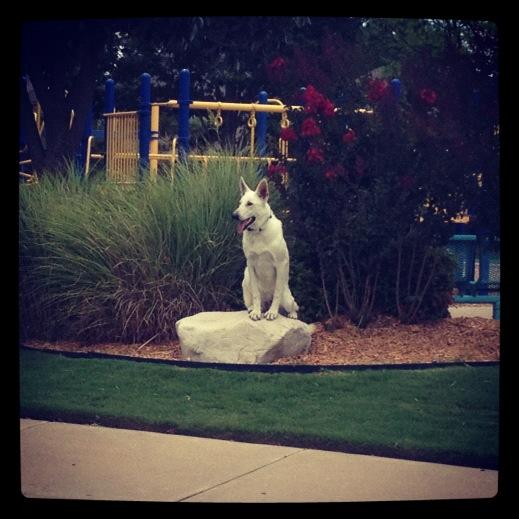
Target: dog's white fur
x=265 y=279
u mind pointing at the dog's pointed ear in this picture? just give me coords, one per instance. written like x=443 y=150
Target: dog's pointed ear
x=244 y=187
x=263 y=189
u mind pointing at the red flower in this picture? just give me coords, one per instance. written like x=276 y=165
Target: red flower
x=310 y=128
x=311 y=108
x=428 y=95
x=330 y=174
x=316 y=102
x=276 y=69
x=378 y=88
x=349 y=137
x=276 y=169
x=328 y=108
x=288 y=134
x=334 y=172
x=311 y=94
x=315 y=155
x=313 y=99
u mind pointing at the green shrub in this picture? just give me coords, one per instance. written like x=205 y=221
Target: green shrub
x=304 y=278
x=424 y=294
x=425 y=283
x=101 y=261
x=367 y=182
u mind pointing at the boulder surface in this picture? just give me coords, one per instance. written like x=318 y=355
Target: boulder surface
x=232 y=337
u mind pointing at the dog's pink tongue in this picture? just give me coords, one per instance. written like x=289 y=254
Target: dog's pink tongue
x=240 y=227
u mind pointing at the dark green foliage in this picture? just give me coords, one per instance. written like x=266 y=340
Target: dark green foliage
x=424 y=292
x=381 y=171
x=409 y=166
x=305 y=281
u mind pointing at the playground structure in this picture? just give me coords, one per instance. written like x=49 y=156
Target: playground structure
x=132 y=138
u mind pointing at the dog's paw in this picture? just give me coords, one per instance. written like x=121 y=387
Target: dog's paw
x=292 y=315
x=271 y=315
x=254 y=315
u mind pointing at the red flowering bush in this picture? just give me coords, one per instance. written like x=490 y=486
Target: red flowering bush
x=288 y=134
x=378 y=176
x=312 y=99
x=330 y=174
x=310 y=128
x=334 y=172
x=351 y=200
x=328 y=108
x=315 y=102
x=277 y=172
x=315 y=155
x=349 y=137
x=313 y=131
x=378 y=89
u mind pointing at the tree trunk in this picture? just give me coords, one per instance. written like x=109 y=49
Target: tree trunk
x=60 y=59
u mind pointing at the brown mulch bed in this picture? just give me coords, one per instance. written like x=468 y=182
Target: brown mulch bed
x=385 y=341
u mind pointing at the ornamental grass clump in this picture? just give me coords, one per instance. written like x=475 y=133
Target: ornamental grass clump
x=109 y=262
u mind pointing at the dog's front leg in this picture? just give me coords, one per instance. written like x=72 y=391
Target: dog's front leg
x=281 y=282
x=255 y=313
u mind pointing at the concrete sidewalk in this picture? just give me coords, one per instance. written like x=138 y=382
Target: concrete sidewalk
x=70 y=461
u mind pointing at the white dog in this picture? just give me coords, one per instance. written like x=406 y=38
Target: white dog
x=265 y=280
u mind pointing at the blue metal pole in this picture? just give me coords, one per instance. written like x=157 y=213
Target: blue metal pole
x=396 y=88
x=484 y=260
x=109 y=106
x=145 y=121
x=183 y=112
x=109 y=96
x=262 y=125
x=496 y=310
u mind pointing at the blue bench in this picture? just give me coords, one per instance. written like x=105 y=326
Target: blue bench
x=467 y=248
x=478 y=300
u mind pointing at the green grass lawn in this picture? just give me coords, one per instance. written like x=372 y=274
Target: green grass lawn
x=443 y=414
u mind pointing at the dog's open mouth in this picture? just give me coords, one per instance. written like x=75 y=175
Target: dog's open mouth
x=245 y=224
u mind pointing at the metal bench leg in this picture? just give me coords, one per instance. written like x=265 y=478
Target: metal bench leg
x=496 y=310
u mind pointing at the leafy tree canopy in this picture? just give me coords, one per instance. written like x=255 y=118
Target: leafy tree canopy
x=230 y=59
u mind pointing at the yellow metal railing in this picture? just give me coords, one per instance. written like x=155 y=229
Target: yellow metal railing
x=272 y=106
x=122 y=136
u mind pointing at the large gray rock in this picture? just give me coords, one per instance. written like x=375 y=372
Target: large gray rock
x=233 y=337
